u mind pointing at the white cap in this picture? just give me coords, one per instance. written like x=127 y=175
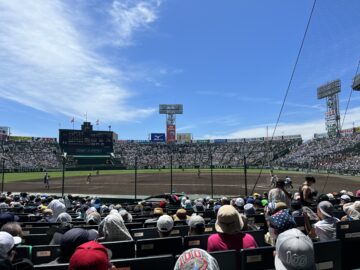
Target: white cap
x=294 y=250
x=239 y=202
x=7 y=243
x=345 y=198
x=165 y=223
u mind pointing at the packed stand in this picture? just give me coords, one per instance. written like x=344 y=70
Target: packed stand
x=86 y=233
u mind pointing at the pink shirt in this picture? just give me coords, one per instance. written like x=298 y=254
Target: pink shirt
x=221 y=241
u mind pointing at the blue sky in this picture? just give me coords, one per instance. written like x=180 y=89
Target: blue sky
x=227 y=62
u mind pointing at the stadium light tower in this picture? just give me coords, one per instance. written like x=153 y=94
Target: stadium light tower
x=331 y=91
x=356 y=83
x=171 y=110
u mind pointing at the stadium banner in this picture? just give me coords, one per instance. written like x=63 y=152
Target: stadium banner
x=201 y=141
x=220 y=140
x=4 y=131
x=3 y=137
x=347 y=132
x=292 y=137
x=44 y=139
x=183 y=137
x=157 y=137
x=277 y=138
x=21 y=138
x=320 y=135
x=170 y=133
x=235 y=140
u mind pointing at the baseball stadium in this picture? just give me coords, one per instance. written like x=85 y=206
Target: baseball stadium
x=220 y=190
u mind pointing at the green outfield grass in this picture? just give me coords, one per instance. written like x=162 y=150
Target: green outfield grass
x=38 y=176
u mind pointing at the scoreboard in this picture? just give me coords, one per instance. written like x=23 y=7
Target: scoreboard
x=86 y=141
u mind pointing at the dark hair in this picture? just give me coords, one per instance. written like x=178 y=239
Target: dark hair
x=310 y=179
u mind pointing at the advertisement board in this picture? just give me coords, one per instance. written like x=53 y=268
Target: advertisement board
x=170 y=133
x=157 y=137
x=21 y=138
x=357 y=129
x=183 y=137
x=347 y=132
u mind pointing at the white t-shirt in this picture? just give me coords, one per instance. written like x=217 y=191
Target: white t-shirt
x=276 y=194
x=326 y=229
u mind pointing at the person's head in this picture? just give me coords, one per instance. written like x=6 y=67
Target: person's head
x=196 y=225
x=280 y=222
x=73 y=238
x=12 y=228
x=225 y=201
x=344 y=199
x=93 y=218
x=325 y=210
x=295 y=205
x=90 y=256
x=164 y=225
x=323 y=197
x=357 y=193
x=196 y=258
x=239 y=203
x=7 y=217
x=310 y=180
x=64 y=217
x=112 y=228
x=199 y=207
x=280 y=183
x=8 y=244
x=228 y=220
x=352 y=210
x=57 y=207
x=127 y=217
x=249 y=209
x=181 y=215
x=158 y=212
x=294 y=250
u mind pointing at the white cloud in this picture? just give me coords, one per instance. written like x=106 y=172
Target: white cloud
x=47 y=64
x=306 y=129
x=130 y=16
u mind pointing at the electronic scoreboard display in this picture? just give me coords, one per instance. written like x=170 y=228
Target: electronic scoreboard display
x=86 y=141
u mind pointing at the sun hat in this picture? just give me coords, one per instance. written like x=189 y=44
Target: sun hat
x=165 y=223
x=158 y=211
x=181 y=214
x=228 y=220
x=196 y=258
x=90 y=255
x=294 y=250
x=7 y=243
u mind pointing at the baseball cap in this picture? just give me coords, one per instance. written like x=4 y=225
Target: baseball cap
x=165 y=223
x=196 y=222
x=294 y=250
x=345 y=198
x=326 y=208
x=196 y=258
x=228 y=220
x=7 y=243
x=239 y=202
x=249 y=209
x=90 y=255
x=74 y=238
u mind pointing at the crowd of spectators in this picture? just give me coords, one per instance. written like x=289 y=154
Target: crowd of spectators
x=332 y=154
x=336 y=154
x=192 y=155
x=30 y=155
x=82 y=226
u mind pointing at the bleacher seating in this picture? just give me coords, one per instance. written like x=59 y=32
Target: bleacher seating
x=158 y=246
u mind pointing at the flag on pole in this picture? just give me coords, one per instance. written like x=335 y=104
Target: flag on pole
x=72 y=120
x=97 y=122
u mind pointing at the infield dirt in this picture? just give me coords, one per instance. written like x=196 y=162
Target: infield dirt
x=229 y=184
